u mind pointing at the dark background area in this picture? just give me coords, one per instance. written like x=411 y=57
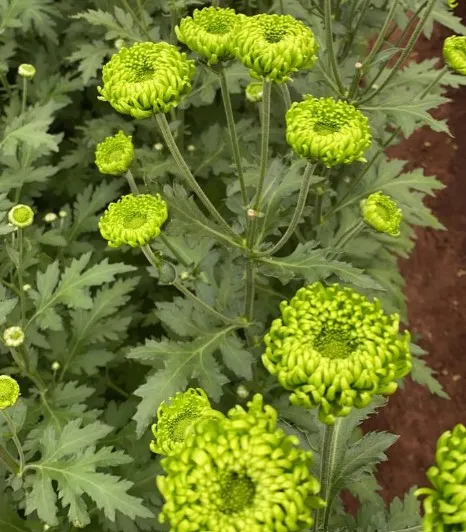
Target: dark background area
x=435 y=276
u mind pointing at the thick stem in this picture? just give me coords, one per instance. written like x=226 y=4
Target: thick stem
x=14 y=437
x=233 y=134
x=330 y=47
x=348 y=235
x=301 y=203
x=8 y=460
x=286 y=95
x=25 y=95
x=131 y=182
x=181 y=163
x=250 y=290
x=179 y=255
x=354 y=31
x=20 y=277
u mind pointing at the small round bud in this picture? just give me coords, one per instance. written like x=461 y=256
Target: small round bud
x=9 y=391
x=191 y=147
x=119 y=43
x=184 y=276
x=358 y=65
x=46 y=527
x=254 y=92
x=50 y=217
x=375 y=86
x=382 y=213
x=251 y=213
x=347 y=179
x=55 y=365
x=242 y=392
x=62 y=213
x=21 y=216
x=158 y=146
x=13 y=336
x=26 y=287
x=26 y=71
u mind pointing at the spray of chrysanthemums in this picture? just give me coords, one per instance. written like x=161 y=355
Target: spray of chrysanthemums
x=273 y=329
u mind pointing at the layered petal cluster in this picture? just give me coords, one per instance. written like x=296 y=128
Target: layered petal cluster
x=9 y=391
x=454 y=53
x=254 y=91
x=115 y=154
x=335 y=349
x=133 y=220
x=146 y=78
x=445 y=504
x=176 y=421
x=273 y=47
x=21 y=216
x=209 y=32
x=13 y=336
x=382 y=213
x=327 y=130
x=452 y=4
x=239 y=473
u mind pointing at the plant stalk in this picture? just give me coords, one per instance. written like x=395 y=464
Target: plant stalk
x=330 y=47
x=10 y=463
x=131 y=182
x=14 y=437
x=20 y=276
x=25 y=95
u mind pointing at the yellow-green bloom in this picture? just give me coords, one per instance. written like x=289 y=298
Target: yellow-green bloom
x=239 y=472
x=146 y=78
x=254 y=91
x=13 y=336
x=454 y=53
x=327 y=130
x=21 y=216
x=335 y=350
x=176 y=421
x=445 y=504
x=27 y=71
x=9 y=391
x=382 y=213
x=133 y=220
x=209 y=32
x=274 y=46
x=452 y=4
x=115 y=154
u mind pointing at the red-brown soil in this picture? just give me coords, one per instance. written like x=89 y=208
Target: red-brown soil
x=435 y=277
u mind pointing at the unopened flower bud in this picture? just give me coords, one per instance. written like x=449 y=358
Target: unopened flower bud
x=358 y=65
x=454 y=53
x=26 y=287
x=242 y=392
x=119 y=43
x=382 y=213
x=62 y=213
x=254 y=91
x=21 y=216
x=50 y=217
x=251 y=213
x=13 y=336
x=26 y=71
x=115 y=154
x=191 y=147
x=9 y=391
x=158 y=146
x=55 y=365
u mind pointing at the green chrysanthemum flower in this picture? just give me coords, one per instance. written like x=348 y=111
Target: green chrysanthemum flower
x=239 y=473
x=254 y=91
x=323 y=129
x=274 y=46
x=382 y=213
x=445 y=504
x=454 y=53
x=452 y=4
x=209 y=32
x=9 y=391
x=21 y=216
x=133 y=220
x=27 y=71
x=146 y=78
x=335 y=350
x=176 y=421
x=115 y=154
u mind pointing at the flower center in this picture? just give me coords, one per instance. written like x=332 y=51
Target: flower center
x=134 y=220
x=236 y=492
x=219 y=26
x=326 y=127
x=145 y=72
x=22 y=214
x=179 y=426
x=383 y=213
x=272 y=33
x=334 y=344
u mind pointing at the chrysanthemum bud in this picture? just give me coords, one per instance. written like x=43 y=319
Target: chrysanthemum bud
x=254 y=91
x=445 y=504
x=119 y=43
x=191 y=147
x=382 y=213
x=50 y=217
x=209 y=32
x=326 y=130
x=55 y=365
x=26 y=71
x=9 y=391
x=158 y=146
x=335 y=350
x=176 y=421
x=13 y=336
x=146 y=78
x=62 y=213
x=273 y=47
x=239 y=472
x=454 y=53
x=26 y=287
x=133 y=220
x=115 y=154
x=21 y=216
x=242 y=392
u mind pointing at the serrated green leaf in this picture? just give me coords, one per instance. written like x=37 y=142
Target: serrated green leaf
x=424 y=375
x=91 y=58
x=236 y=357
x=6 y=306
x=406 y=513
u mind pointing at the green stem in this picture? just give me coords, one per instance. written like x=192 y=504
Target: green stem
x=348 y=235
x=131 y=182
x=404 y=55
x=301 y=203
x=179 y=255
x=8 y=460
x=326 y=467
x=20 y=277
x=233 y=135
x=250 y=290
x=434 y=82
x=181 y=163
x=354 y=31
x=186 y=292
x=381 y=36
x=136 y=19
x=14 y=437
x=25 y=95
x=330 y=47
x=286 y=95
